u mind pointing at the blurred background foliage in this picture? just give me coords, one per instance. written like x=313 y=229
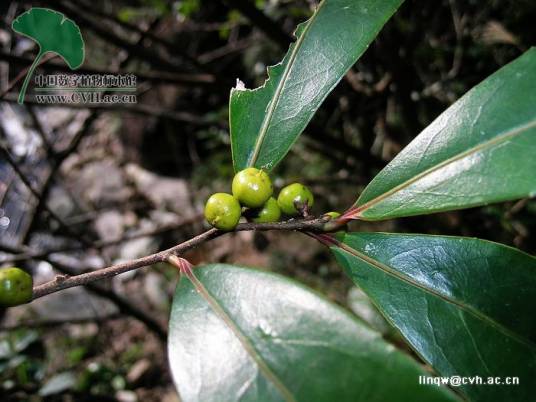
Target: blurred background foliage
x=132 y=179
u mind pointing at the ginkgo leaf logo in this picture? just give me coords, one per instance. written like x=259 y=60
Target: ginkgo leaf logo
x=53 y=32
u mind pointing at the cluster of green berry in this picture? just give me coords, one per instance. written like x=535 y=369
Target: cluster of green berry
x=253 y=189
x=16 y=287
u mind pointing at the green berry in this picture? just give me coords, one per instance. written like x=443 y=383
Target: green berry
x=270 y=212
x=252 y=187
x=16 y=287
x=295 y=196
x=222 y=211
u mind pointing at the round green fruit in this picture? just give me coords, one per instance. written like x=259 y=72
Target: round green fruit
x=222 y=211
x=252 y=187
x=270 y=212
x=293 y=197
x=16 y=287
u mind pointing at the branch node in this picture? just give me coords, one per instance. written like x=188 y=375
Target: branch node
x=61 y=278
x=183 y=265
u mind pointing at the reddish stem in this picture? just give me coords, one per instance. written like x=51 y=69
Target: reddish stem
x=350 y=214
x=326 y=239
x=184 y=266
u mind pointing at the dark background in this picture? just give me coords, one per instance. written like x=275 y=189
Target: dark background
x=128 y=181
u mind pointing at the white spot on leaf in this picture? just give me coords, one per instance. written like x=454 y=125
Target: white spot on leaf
x=240 y=86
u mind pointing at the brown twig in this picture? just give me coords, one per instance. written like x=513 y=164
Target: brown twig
x=38 y=195
x=139 y=108
x=271 y=28
x=23 y=73
x=60 y=283
x=134 y=50
x=172 y=48
x=41 y=132
x=223 y=51
x=123 y=304
x=154 y=77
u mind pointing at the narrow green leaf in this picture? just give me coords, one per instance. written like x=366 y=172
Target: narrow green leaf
x=465 y=305
x=265 y=122
x=249 y=335
x=480 y=150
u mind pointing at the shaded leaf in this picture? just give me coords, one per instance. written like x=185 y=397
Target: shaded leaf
x=271 y=339
x=480 y=150
x=266 y=121
x=465 y=305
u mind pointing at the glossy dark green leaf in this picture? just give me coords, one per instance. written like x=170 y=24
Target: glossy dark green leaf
x=465 y=305
x=53 y=32
x=265 y=122
x=279 y=341
x=480 y=150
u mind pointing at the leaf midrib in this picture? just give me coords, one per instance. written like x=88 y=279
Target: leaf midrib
x=404 y=278
x=281 y=84
x=248 y=346
x=498 y=139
